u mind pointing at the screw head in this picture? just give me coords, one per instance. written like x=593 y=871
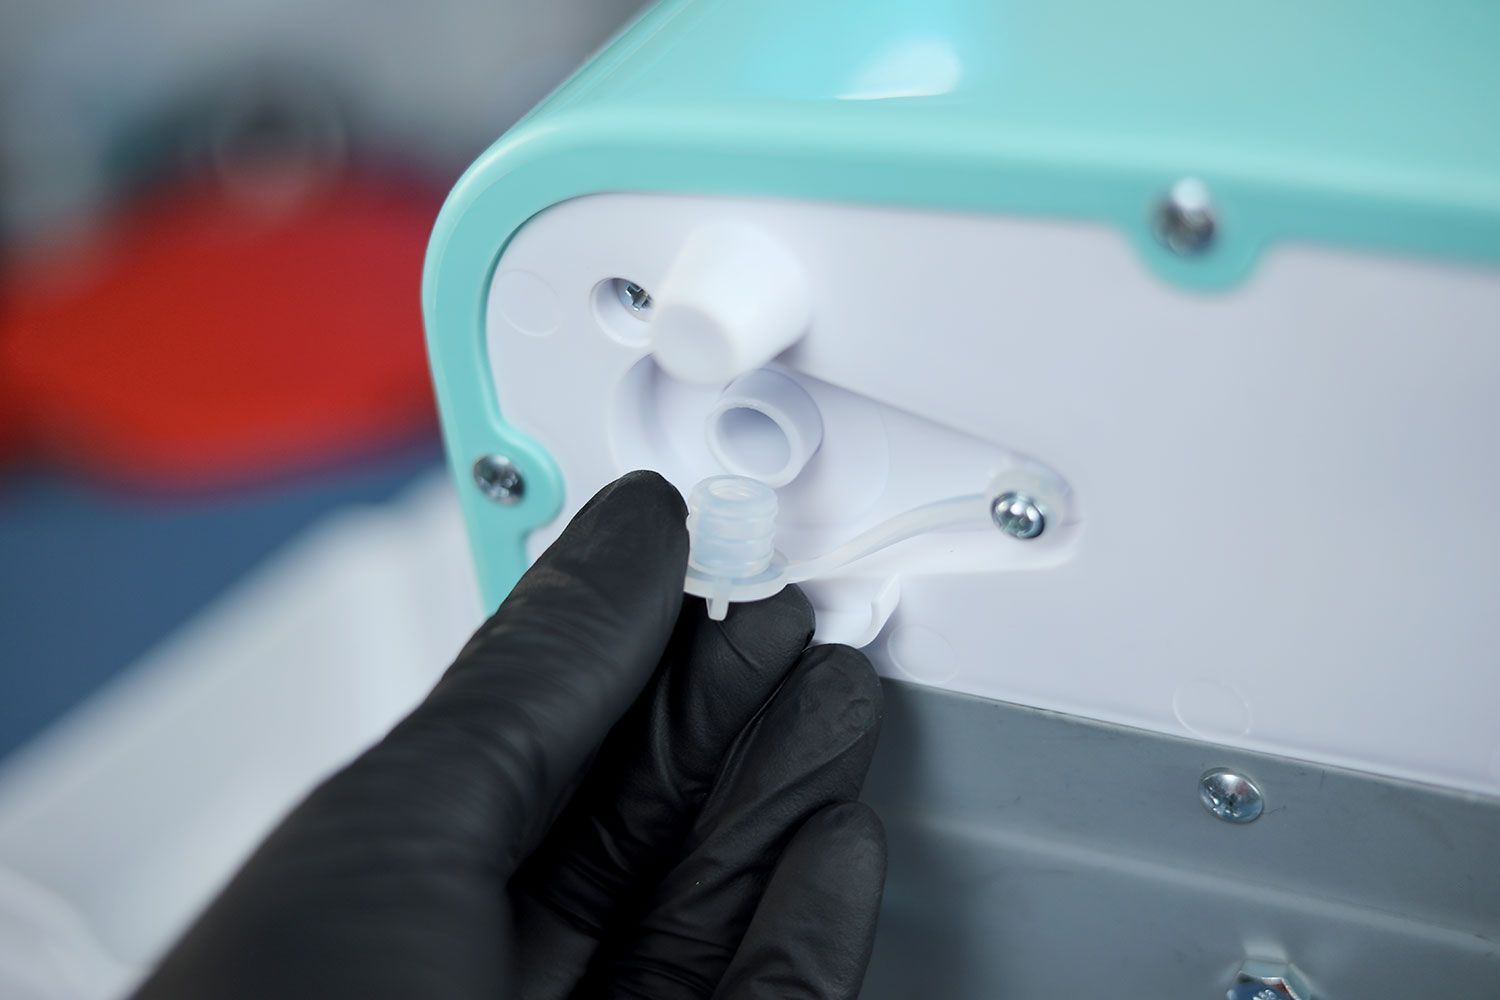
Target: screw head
x=498 y=478
x=633 y=297
x=1255 y=991
x=1263 y=980
x=1184 y=220
x=1018 y=515
x=1230 y=796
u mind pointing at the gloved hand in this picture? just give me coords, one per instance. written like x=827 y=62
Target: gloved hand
x=607 y=795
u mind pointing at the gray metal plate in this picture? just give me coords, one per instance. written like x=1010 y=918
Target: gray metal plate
x=1036 y=856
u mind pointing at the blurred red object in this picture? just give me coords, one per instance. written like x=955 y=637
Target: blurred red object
x=198 y=344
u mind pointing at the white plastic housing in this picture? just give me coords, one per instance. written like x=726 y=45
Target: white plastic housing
x=1281 y=530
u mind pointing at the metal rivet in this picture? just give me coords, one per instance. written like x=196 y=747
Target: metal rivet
x=1230 y=796
x=499 y=479
x=1184 y=220
x=1018 y=515
x=633 y=297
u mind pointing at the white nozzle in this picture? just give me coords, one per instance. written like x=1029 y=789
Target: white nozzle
x=731 y=301
x=765 y=426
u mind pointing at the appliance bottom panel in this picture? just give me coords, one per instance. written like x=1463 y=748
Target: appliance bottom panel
x=1036 y=856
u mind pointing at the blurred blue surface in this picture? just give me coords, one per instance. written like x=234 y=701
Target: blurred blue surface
x=92 y=577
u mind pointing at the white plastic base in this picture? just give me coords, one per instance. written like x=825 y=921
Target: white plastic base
x=1283 y=534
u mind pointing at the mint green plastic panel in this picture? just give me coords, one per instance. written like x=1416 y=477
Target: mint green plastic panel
x=1372 y=124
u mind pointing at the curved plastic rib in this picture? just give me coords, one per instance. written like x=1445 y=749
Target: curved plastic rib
x=955 y=512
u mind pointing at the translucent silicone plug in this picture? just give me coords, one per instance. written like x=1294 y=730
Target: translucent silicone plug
x=732 y=553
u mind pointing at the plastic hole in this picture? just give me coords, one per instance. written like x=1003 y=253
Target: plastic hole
x=624 y=309
x=750 y=443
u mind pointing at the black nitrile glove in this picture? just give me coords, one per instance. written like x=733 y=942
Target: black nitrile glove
x=497 y=844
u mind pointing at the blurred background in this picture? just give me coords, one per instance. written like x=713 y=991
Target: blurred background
x=229 y=554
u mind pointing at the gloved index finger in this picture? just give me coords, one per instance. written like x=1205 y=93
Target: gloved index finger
x=503 y=736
